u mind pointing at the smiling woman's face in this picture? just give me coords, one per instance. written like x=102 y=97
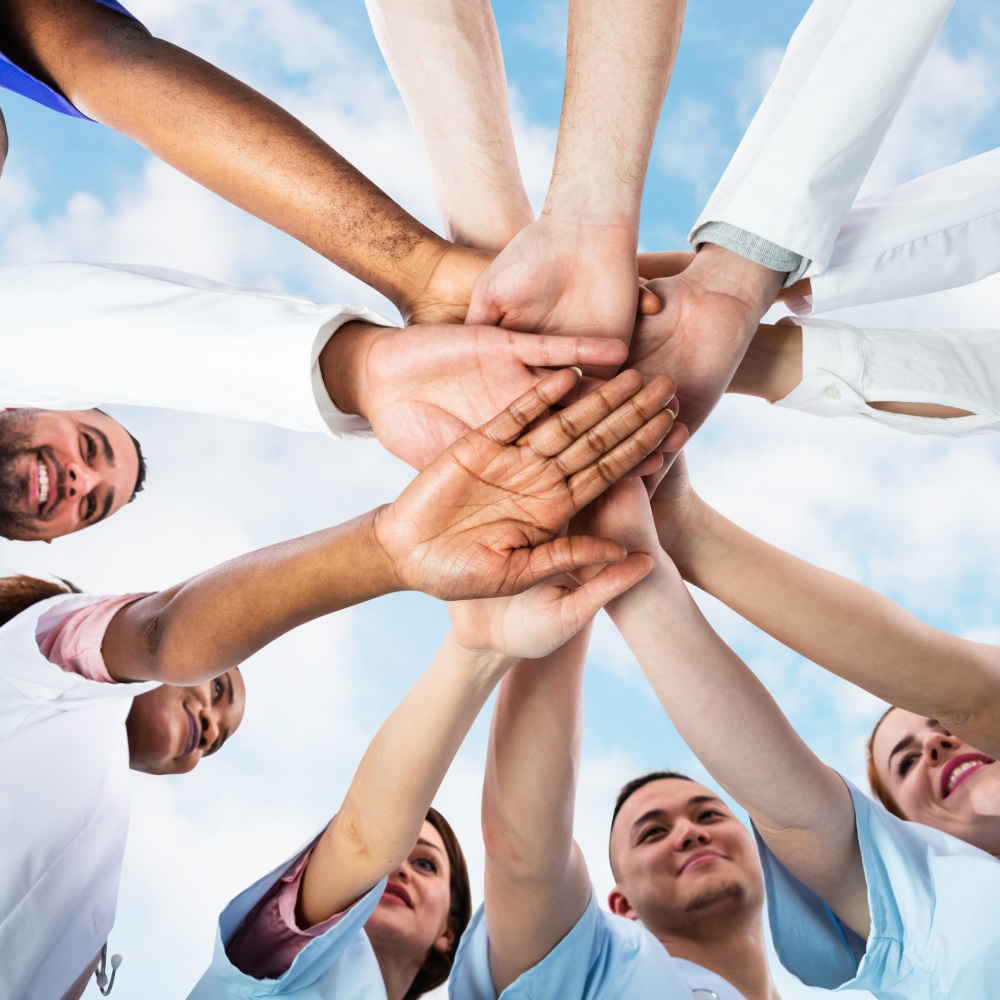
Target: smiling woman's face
x=171 y=728
x=938 y=780
x=412 y=915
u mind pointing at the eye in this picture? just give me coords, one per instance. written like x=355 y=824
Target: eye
x=906 y=763
x=710 y=814
x=90 y=506
x=426 y=864
x=90 y=449
x=218 y=688
x=651 y=831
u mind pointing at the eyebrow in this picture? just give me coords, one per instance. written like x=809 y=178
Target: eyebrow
x=695 y=800
x=229 y=682
x=109 y=452
x=427 y=843
x=901 y=745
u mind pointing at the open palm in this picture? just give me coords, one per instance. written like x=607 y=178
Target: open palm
x=481 y=519
x=427 y=386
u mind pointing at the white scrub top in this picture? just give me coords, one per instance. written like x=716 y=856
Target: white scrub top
x=604 y=957
x=935 y=910
x=64 y=808
x=74 y=335
x=337 y=965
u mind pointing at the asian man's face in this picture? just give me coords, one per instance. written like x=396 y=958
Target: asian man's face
x=683 y=862
x=62 y=470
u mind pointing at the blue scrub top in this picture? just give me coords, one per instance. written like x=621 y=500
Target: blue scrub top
x=337 y=965
x=604 y=957
x=14 y=78
x=935 y=911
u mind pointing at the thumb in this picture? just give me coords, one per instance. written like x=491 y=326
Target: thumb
x=484 y=309
x=561 y=555
x=610 y=583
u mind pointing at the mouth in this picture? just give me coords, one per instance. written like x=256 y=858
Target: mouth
x=701 y=857
x=44 y=486
x=194 y=732
x=959 y=768
x=396 y=895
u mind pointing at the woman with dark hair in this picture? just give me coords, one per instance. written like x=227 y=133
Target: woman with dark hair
x=92 y=685
x=901 y=900
x=387 y=864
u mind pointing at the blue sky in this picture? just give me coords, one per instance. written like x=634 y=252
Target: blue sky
x=912 y=517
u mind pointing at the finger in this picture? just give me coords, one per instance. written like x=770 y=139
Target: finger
x=649 y=304
x=675 y=440
x=624 y=420
x=649 y=465
x=609 y=583
x=545 y=351
x=561 y=555
x=592 y=481
x=566 y=426
x=510 y=424
x=585 y=385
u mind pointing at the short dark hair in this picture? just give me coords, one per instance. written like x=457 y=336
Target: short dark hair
x=140 y=479
x=630 y=788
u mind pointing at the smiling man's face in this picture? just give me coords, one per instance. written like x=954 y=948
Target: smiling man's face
x=683 y=861
x=62 y=470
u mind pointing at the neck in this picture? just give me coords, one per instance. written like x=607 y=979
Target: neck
x=398 y=969
x=734 y=950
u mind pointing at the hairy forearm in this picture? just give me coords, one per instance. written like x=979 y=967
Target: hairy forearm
x=850 y=630
x=446 y=60
x=618 y=64
x=198 y=629
x=227 y=137
x=382 y=814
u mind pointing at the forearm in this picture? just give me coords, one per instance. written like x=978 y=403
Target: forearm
x=399 y=775
x=198 y=629
x=850 y=630
x=232 y=140
x=446 y=60
x=618 y=64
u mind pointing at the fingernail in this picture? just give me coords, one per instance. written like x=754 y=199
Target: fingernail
x=577 y=370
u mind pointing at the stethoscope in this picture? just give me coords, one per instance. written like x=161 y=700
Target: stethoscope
x=102 y=976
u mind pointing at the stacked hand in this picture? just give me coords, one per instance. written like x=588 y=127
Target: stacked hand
x=481 y=519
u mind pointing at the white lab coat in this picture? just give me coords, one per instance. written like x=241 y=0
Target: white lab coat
x=799 y=167
x=64 y=808
x=941 y=230
x=75 y=335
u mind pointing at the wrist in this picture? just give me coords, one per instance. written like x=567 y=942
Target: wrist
x=582 y=194
x=725 y=272
x=343 y=366
x=483 y=663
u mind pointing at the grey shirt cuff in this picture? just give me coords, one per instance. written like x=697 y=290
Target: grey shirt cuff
x=754 y=248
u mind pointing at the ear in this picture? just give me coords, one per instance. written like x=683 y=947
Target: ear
x=48 y=541
x=444 y=942
x=3 y=147
x=620 y=906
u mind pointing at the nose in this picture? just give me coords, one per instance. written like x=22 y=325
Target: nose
x=687 y=834
x=80 y=479
x=209 y=729
x=940 y=746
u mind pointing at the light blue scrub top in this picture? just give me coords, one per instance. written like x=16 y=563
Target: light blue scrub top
x=935 y=909
x=337 y=965
x=604 y=957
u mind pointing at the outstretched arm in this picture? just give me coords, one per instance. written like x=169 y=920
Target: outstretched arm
x=725 y=715
x=446 y=60
x=385 y=806
x=537 y=884
x=839 y=624
x=242 y=146
x=574 y=270
x=479 y=521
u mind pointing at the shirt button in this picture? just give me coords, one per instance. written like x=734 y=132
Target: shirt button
x=832 y=392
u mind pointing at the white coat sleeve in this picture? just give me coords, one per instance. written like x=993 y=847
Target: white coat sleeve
x=77 y=335
x=939 y=231
x=800 y=165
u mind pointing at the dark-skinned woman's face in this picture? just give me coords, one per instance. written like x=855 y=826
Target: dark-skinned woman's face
x=171 y=728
